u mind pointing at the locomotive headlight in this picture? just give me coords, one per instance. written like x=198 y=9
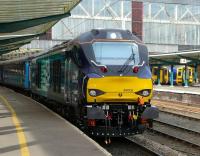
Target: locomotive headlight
x=144 y=93
x=93 y=93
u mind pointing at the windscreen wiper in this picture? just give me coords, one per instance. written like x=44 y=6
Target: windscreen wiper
x=128 y=61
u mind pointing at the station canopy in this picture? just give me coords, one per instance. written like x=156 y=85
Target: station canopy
x=23 y=20
x=177 y=58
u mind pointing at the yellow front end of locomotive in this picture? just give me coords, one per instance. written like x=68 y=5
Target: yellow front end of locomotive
x=118 y=89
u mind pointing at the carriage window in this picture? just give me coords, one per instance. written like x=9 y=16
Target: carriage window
x=179 y=72
x=165 y=72
x=190 y=72
x=155 y=71
x=116 y=53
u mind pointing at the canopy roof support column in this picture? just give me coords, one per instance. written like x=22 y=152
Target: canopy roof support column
x=186 y=77
x=158 y=76
x=172 y=76
x=196 y=74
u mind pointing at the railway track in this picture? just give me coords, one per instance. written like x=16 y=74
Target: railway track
x=180 y=121
x=173 y=143
x=125 y=147
x=177 y=131
x=178 y=108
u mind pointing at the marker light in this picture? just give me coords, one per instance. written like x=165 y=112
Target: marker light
x=104 y=69
x=135 y=69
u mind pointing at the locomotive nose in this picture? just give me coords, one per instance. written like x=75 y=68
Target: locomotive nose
x=118 y=89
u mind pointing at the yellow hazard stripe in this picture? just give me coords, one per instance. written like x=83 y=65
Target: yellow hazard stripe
x=20 y=133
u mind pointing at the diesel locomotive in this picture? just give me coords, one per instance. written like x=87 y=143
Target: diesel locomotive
x=101 y=79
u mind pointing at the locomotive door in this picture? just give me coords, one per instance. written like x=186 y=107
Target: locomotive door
x=71 y=82
x=67 y=80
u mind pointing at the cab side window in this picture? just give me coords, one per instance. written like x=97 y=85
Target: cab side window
x=76 y=53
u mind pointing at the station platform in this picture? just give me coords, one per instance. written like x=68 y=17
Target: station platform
x=188 y=95
x=178 y=89
x=28 y=128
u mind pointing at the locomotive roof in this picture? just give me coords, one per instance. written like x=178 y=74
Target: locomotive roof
x=97 y=34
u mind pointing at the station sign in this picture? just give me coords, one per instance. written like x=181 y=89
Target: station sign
x=183 y=61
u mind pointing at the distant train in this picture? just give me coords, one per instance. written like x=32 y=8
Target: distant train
x=102 y=79
x=178 y=75
x=164 y=75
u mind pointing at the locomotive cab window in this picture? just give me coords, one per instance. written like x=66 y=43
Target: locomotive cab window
x=116 y=53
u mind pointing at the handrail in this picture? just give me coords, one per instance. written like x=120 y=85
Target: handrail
x=98 y=65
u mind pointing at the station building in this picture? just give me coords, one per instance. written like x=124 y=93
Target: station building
x=163 y=27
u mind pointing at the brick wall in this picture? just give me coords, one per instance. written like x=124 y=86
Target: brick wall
x=137 y=19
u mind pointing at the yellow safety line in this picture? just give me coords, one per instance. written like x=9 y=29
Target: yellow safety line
x=20 y=133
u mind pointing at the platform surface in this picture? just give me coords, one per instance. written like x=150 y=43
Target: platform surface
x=177 y=89
x=29 y=129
